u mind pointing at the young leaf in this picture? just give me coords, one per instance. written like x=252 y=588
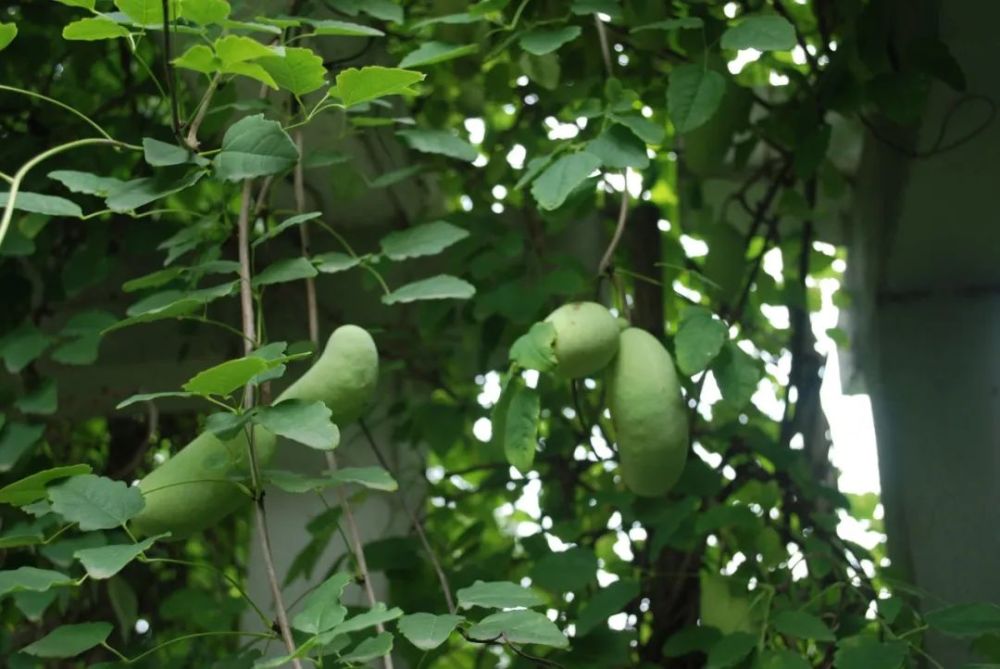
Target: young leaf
x=161 y=154
x=764 y=32
x=355 y=86
x=694 y=93
x=440 y=287
x=8 y=31
x=146 y=397
x=699 y=339
x=497 y=595
x=519 y=626
x=93 y=29
x=205 y=12
x=36 y=203
x=430 y=53
x=69 y=640
x=299 y=71
x=427 y=631
x=106 y=561
x=551 y=188
x=421 y=240
x=95 y=502
x=224 y=378
x=440 y=142
x=303 y=421
x=32 y=487
x=332 y=262
x=254 y=147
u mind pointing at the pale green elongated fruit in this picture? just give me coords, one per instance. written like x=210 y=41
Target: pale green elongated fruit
x=196 y=488
x=586 y=338
x=648 y=413
x=189 y=492
x=344 y=377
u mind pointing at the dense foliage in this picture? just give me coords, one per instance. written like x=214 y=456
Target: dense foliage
x=247 y=176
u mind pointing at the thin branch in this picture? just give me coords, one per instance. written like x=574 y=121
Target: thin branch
x=602 y=35
x=250 y=339
x=609 y=253
x=168 y=67
x=417 y=525
x=199 y=116
x=312 y=309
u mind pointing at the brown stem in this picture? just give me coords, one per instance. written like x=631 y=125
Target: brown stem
x=199 y=116
x=250 y=340
x=609 y=253
x=602 y=35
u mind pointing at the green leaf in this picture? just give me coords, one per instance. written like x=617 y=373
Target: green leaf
x=965 y=620
x=285 y=225
x=42 y=401
x=644 y=129
x=421 y=240
x=520 y=439
x=85 y=4
x=536 y=348
x=93 y=29
x=618 y=148
x=427 y=631
x=161 y=154
x=343 y=28
x=440 y=287
x=34 y=604
x=862 y=652
x=562 y=177
x=84 y=182
x=369 y=649
x=106 y=561
x=299 y=71
x=69 y=640
x=374 y=478
x=392 y=177
x=199 y=58
x=225 y=425
x=737 y=374
x=233 y=49
x=283 y=271
x=205 y=12
x=684 y=23
x=146 y=397
x=144 y=12
x=764 y=32
x=254 y=147
x=303 y=421
x=95 y=502
x=153 y=280
x=432 y=52
x=781 y=659
x=567 y=571
x=378 y=614
x=31 y=579
x=8 y=31
x=84 y=329
x=541 y=42
x=605 y=603
x=23 y=346
x=131 y=195
x=224 y=378
x=355 y=86
x=520 y=626
x=693 y=95
x=730 y=650
x=691 y=639
x=321 y=609
x=125 y=605
x=440 y=142
x=36 y=203
x=15 y=440
x=32 y=487
x=497 y=595
x=802 y=625
x=699 y=339
x=333 y=262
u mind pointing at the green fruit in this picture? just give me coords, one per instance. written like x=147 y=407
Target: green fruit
x=344 y=377
x=586 y=338
x=196 y=488
x=648 y=414
x=188 y=492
